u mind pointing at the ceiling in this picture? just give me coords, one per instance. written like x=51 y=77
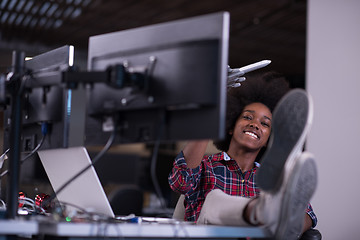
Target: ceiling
x=260 y=29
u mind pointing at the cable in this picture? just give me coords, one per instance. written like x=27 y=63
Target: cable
x=3 y=157
x=78 y=208
x=153 y=161
x=3 y=205
x=44 y=129
x=96 y=158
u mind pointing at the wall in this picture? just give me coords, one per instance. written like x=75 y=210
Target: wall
x=333 y=80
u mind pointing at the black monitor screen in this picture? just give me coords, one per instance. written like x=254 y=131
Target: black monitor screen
x=45 y=101
x=174 y=86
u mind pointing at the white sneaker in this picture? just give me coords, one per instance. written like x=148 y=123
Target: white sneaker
x=283 y=212
x=292 y=118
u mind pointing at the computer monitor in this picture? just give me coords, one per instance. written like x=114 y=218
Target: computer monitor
x=45 y=100
x=170 y=82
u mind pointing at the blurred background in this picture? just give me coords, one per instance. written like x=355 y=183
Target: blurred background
x=315 y=43
x=260 y=29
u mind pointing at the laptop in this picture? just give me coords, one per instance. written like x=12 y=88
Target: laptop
x=86 y=190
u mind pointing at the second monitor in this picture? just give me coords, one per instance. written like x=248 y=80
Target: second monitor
x=167 y=82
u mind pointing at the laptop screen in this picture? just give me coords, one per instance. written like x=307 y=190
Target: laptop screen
x=86 y=190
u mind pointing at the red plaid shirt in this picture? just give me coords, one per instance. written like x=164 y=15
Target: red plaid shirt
x=216 y=171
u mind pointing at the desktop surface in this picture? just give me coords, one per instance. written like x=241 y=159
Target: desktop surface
x=147 y=229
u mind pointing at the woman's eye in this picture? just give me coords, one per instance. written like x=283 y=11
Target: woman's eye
x=265 y=124
x=247 y=117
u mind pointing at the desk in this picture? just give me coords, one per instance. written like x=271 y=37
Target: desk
x=19 y=227
x=149 y=231
x=93 y=230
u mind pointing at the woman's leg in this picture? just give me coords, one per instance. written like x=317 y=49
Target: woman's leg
x=222 y=209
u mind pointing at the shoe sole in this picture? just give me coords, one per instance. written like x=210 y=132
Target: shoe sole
x=291 y=121
x=298 y=191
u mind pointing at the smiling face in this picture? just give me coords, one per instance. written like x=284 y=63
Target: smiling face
x=252 y=129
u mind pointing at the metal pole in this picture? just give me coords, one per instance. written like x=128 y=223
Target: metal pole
x=18 y=62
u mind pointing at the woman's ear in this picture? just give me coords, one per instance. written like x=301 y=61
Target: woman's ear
x=231 y=132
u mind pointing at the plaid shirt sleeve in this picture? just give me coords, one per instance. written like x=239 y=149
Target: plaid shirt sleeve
x=181 y=178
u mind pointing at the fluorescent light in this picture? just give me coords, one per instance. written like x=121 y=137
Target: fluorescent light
x=71 y=56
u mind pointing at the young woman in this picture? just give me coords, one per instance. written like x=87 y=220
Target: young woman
x=233 y=170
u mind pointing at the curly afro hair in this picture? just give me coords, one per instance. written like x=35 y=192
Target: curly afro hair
x=266 y=88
